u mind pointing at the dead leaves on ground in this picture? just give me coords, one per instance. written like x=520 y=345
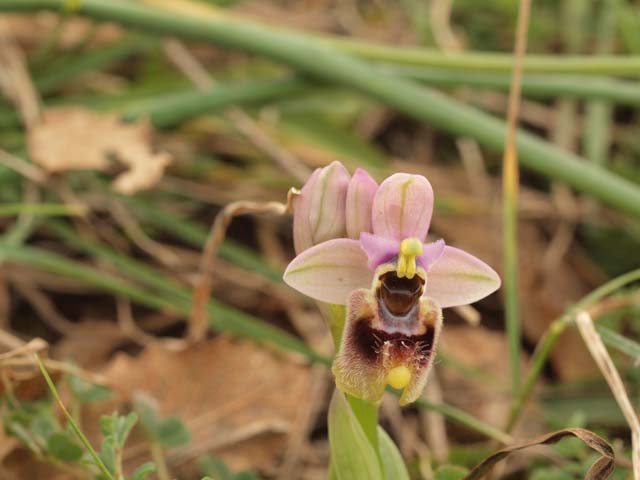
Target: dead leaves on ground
x=238 y=400
x=484 y=394
x=72 y=138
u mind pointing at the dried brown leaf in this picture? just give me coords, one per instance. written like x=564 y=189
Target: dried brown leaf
x=72 y=138
x=600 y=470
x=483 y=349
x=238 y=400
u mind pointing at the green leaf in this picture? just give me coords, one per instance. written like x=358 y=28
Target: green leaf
x=108 y=452
x=118 y=427
x=143 y=471
x=352 y=456
x=615 y=340
x=23 y=434
x=147 y=413
x=173 y=433
x=170 y=432
x=62 y=445
x=394 y=467
x=215 y=468
x=450 y=472
x=87 y=392
x=44 y=425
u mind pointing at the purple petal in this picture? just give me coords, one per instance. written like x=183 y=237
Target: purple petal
x=360 y=193
x=379 y=250
x=402 y=207
x=330 y=271
x=431 y=253
x=458 y=278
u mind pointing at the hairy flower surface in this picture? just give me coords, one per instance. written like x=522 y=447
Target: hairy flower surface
x=372 y=257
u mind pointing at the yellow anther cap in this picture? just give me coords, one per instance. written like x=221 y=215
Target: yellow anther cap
x=410 y=248
x=399 y=377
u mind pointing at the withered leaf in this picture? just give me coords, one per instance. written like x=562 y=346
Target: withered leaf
x=600 y=470
x=73 y=138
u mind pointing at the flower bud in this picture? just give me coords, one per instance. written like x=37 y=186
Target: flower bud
x=360 y=194
x=319 y=209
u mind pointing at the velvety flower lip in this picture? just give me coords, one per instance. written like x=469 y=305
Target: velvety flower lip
x=371 y=356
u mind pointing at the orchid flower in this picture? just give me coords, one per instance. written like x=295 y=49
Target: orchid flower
x=364 y=246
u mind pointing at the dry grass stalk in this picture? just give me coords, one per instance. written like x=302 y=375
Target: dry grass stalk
x=610 y=373
x=433 y=423
x=15 y=79
x=43 y=305
x=202 y=291
x=128 y=325
x=24 y=168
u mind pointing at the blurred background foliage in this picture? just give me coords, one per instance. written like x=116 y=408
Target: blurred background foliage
x=103 y=266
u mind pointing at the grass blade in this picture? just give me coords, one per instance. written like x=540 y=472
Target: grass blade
x=328 y=64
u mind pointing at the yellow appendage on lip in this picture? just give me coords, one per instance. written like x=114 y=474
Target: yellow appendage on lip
x=410 y=248
x=399 y=377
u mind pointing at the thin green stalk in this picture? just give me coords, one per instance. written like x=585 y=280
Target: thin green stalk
x=622 y=65
x=628 y=20
x=167 y=109
x=548 y=341
x=619 y=342
x=157 y=453
x=170 y=110
x=323 y=62
x=74 y=426
x=624 y=92
x=466 y=419
x=510 y=192
x=597 y=131
x=62 y=71
x=40 y=209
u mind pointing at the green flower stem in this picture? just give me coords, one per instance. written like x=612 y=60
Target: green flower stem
x=327 y=63
x=367 y=415
x=547 y=342
x=365 y=412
